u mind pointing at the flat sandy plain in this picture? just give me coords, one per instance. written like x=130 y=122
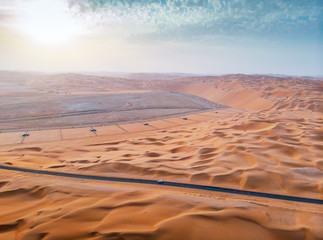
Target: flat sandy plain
x=268 y=138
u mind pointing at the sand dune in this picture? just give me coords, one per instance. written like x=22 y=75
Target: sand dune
x=270 y=140
x=233 y=152
x=104 y=211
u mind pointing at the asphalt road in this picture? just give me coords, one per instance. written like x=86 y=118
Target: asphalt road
x=167 y=183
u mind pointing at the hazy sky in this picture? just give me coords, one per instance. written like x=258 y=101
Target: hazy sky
x=192 y=36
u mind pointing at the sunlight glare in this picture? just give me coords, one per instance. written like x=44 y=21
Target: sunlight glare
x=47 y=21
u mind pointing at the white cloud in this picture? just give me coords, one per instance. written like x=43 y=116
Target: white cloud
x=187 y=19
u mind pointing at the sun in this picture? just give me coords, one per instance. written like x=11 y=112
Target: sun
x=47 y=21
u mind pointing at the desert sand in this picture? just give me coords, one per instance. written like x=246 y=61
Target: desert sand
x=267 y=137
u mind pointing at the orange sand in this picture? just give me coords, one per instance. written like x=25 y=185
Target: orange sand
x=35 y=207
x=271 y=141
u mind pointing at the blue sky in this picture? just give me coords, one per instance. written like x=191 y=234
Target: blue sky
x=194 y=19
x=194 y=36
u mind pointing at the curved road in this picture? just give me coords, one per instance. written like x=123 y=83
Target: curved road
x=167 y=183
